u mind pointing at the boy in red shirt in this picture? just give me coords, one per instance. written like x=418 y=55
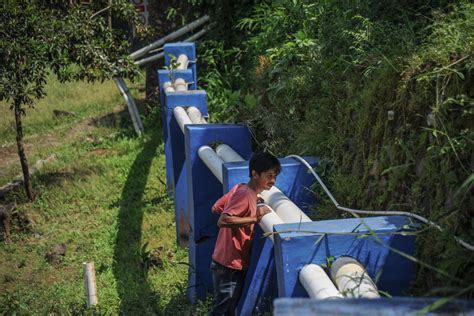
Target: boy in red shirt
x=239 y=214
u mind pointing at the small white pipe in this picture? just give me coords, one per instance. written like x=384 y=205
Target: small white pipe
x=181 y=117
x=196 y=116
x=317 y=283
x=182 y=62
x=283 y=206
x=212 y=161
x=90 y=283
x=352 y=280
x=228 y=154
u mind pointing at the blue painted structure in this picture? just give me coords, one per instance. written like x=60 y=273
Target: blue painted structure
x=274 y=268
x=176 y=142
x=163 y=77
x=186 y=48
x=299 y=244
x=189 y=75
x=203 y=190
x=396 y=306
x=260 y=284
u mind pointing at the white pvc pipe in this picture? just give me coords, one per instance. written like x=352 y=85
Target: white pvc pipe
x=180 y=85
x=212 y=161
x=352 y=280
x=90 y=283
x=228 y=154
x=182 y=62
x=181 y=117
x=283 y=206
x=317 y=283
x=168 y=86
x=196 y=116
x=268 y=221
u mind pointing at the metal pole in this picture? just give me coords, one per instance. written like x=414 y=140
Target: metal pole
x=185 y=29
x=132 y=108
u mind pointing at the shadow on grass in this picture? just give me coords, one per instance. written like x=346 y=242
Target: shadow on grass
x=136 y=297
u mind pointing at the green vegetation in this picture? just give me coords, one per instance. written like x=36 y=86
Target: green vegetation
x=105 y=200
x=381 y=90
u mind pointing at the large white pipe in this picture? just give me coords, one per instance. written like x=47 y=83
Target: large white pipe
x=269 y=220
x=182 y=62
x=196 y=116
x=181 y=117
x=283 y=206
x=352 y=280
x=317 y=283
x=211 y=160
x=228 y=154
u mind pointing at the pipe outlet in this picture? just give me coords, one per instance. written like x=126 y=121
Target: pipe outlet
x=317 y=283
x=352 y=279
x=182 y=62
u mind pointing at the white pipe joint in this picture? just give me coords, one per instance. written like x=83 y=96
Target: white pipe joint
x=212 y=161
x=228 y=154
x=182 y=62
x=317 y=283
x=195 y=115
x=181 y=117
x=352 y=279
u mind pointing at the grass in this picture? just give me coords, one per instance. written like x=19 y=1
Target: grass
x=105 y=200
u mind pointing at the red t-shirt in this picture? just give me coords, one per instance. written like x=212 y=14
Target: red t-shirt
x=233 y=243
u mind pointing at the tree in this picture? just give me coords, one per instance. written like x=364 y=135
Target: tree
x=73 y=41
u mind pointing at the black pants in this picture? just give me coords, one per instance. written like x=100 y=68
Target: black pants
x=228 y=284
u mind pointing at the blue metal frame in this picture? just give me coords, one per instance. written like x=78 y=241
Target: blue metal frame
x=163 y=77
x=177 y=155
x=203 y=190
x=299 y=244
x=189 y=49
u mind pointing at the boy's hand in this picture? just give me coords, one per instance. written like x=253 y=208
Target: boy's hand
x=262 y=211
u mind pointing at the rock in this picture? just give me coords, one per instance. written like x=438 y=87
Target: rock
x=54 y=255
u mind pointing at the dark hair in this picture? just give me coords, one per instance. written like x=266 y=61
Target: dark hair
x=262 y=161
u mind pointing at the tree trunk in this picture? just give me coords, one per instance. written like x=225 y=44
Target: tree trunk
x=21 y=151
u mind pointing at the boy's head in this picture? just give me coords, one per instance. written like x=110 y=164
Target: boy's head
x=264 y=168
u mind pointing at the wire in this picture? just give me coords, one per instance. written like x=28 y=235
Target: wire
x=355 y=211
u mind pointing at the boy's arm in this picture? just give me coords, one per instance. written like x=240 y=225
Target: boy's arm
x=227 y=220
